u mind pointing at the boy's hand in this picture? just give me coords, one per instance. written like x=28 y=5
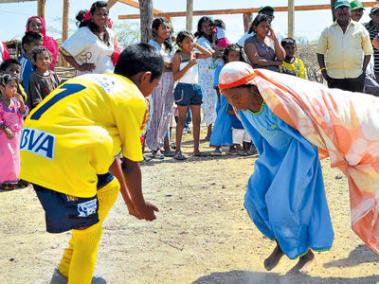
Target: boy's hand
x=9 y=133
x=148 y=211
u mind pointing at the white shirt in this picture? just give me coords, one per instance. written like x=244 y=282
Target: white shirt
x=86 y=47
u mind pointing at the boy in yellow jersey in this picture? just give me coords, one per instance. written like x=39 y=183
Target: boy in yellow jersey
x=69 y=145
x=292 y=65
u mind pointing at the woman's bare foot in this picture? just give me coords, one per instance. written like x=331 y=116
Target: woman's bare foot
x=304 y=264
x=273 y=259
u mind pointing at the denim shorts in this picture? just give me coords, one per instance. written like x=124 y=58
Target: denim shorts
x=188 y=94
x=65 y=212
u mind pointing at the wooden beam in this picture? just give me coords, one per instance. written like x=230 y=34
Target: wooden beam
x=189 y=15
x=15 y=1
x=136 y=5
x=247 y=21
x=41 y=8
x=238 y=11
x=291 y=18
x=65 y=15
x=111 y=3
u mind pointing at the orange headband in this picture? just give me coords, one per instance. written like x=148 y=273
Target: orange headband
x=237 y=83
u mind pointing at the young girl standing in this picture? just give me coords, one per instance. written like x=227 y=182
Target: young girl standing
x=12 y=110
x=222 y=131
x=162 y=99
x=187 y=91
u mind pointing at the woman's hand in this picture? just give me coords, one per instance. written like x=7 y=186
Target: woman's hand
x=272 y=34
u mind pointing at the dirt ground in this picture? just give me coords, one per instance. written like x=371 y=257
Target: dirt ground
x=202 y=234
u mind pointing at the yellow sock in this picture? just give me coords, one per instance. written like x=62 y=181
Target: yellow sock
x=79 y=259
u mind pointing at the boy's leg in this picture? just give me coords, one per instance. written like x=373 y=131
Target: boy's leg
x=83 y=244
x=196 y=120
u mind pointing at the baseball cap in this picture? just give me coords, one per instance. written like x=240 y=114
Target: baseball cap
x=341 y=3
x=356 y=4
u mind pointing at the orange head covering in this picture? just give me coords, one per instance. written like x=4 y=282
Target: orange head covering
x=236 y=74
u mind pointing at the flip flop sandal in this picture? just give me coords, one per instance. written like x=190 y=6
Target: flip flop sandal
x=179 y=156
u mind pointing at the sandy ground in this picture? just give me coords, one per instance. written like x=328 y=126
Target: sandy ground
x=202 y=234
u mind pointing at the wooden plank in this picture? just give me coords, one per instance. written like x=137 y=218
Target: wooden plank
x=238 y=11
x=247 y=19
x=291 y=18
x=15 y=1
x=41 y=8
x=111 y=3
x=189 y=15
x=136 y=5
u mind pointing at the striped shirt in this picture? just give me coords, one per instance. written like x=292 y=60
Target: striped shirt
x=374 y=31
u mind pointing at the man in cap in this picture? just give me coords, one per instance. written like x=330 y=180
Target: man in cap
x=373 y=28
x=344 y=51
x=357 y=10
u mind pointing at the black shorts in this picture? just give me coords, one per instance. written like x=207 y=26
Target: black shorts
x=188 y=94
x=65 y=212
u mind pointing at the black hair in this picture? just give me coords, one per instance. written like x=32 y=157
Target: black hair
x=39 y=50
x=202 y=20
x=5 y=65
x=30 y=37
x=6 y=78
x=90 y=24
x=138 y=58
x=258 y=19
x=219 y=23
x=157 y=22
x=236 y=48
x=288 y=41
x=181 y=36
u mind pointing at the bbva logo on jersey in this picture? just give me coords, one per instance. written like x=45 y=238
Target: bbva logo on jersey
x=38 y=142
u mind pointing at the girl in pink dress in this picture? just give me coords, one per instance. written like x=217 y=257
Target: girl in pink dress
x=12 y=110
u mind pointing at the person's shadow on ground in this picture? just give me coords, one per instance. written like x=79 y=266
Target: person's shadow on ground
x=361 y=254
x=250 y=277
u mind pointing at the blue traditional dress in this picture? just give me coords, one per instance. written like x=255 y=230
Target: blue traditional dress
x=222 y=129
x=286 y=197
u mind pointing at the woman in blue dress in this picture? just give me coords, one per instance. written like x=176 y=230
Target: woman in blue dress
x=285 y=197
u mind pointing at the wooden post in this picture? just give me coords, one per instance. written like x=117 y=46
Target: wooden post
x=332 y=2
x=41 y=8
x=247 y=18
x=189 y=16
x=66 y=9
x=291 y=18
x=146 y=14
x=111 y=3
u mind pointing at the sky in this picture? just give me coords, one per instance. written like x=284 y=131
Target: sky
x=308 y=24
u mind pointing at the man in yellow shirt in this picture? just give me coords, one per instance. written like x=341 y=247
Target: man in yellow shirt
x=344 y=51
x=69 y=145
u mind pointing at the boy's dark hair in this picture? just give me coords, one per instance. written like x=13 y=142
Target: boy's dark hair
x=6 y=78
x=157 y=22
x=233 y=47
x=30 y=37
x=39 y=50
x=288 y=41
x=5 y=65
x=138 y=58
x=258 y=19
x=90 y=24
x=219 y=23
x=202 y=20
x=181 y=36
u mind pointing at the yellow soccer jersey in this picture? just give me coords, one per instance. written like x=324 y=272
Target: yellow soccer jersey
x=76 y=131
x=295 y=68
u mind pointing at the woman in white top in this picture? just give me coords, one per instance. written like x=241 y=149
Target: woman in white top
x=162 y=99
x=206 y=73
x=90 y=48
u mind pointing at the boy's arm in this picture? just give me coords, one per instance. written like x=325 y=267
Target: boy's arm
x=133 y=180
x=116 y=170
x=35 y=96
